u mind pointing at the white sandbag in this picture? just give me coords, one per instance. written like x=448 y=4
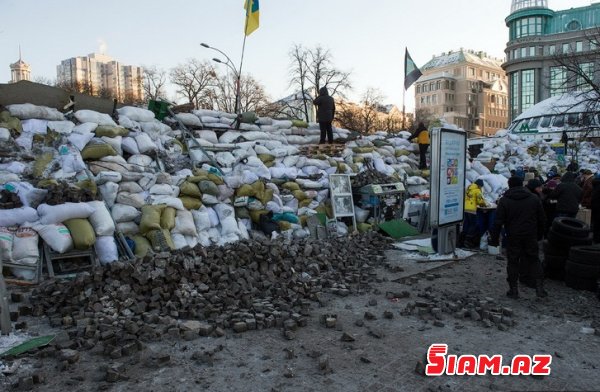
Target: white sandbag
x=178 y=240
x=184 y=223
x=29 y=195
x=85 y=129
x=140 y=160
x=35 y=126
x=27 y=111
x=226 y=215
x=154 y=129
x=225 y=159
x=108 y=176
x=416 y=180
x=106 y=249
x=209 y=200
x=479 y=168
x=71 y=162
x=56 y=236
x=250 y=128
x=209 y=119
x=145 y=143
x=264 y=121
x=147 y=181
x=128 y=228
x=62 y=127
x=206 y=112
x=114 y=142
x=169 y=201
x=192 y=241
x=207 y=135
x=62 y=212
x=129 y=145
x=189 y=119
x=163 y=189
x=130 y=187
x=109 y=193
x=101 y=219
x=91 y=116
x=136 y=114
x=79 y=140
x=229 y=137
x=131 y=199
x=214 y=218
x=282 y=124
x=201 y=219
x=124 y=213
x=25 y=246
x=244 y=235
x=25 y=141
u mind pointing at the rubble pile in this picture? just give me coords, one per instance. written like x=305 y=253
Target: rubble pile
x=254 y=284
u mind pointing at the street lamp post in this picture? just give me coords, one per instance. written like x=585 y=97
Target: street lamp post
x=237 y=75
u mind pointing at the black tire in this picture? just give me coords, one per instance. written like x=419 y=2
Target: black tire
x=554 y=274
x=571 y=227
x=588 y=255
x=553 y=250
x=555 y=262
x=583 y=271
x=561 y=240
x=580 y=284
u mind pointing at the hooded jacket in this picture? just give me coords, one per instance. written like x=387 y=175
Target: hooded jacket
x=474 y=198
x=567 y=195
x=521 y=213
x=325 y=106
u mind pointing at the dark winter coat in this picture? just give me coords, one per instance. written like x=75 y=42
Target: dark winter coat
x=595 y=202
x=521 y=213
x=325 y=106
x=567 y=195
x=586 y=198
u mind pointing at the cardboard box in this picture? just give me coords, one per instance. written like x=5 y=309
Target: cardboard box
x=585 y=214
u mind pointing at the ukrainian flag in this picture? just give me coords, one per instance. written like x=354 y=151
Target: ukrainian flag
x=252 y=14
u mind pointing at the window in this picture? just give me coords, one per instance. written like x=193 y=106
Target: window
x=532 y=51
x=515 y=54
x=446 y=85
x=418 y=88
x=559 y=121
x=527 y=88
x=594 y=45
x=586 y=74
x=558 y=80
x=534 y=122
x=431 y=86
x=487 y=75
x=551 y=50
x=545 y=121
x=438 y=85
x=579 y=46
x=514 y=94
x=523 y=52
x=565 y=48
x=573 y=119
x=525 y=27
x=451 y=85
x=422 y=100
x=471 y=71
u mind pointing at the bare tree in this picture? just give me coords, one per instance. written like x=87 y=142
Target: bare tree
x=154 y=83
x=370 y=109
x=44 y=80
x=222 y=95
x=311 y=69
x=423 y=115
x=368 y=116
x=192 y=79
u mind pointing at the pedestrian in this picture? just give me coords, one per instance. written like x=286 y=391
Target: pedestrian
x=325 y=114
x=521 y=214
x=535 y=186
x=586 y=198
x=470 y=234
x=595 y=206
x=422 y=136
x=567 y=195
x=572 y=166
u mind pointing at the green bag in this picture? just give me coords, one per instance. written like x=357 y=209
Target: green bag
x=209 y=187
x=82 y=233
x=190 y=189
x=160 y=240
x=167 y=218
x=190 y=203
x=97 y=151
x=299 y=124
x=151 y=218
x=142 y=246
x=110 y=131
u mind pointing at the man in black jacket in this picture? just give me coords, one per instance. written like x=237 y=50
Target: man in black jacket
x=567 y=195
x=325 y=114
x=522 y=215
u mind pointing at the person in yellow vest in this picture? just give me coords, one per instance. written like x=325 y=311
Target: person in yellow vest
x=422 y=136
x=473 y=198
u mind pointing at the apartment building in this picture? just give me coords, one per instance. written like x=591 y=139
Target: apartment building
x=540 y=39
x=465 y=88
x=98 y=74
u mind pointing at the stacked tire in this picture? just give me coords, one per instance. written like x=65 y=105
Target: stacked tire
x=564 y=234
x=583 y=268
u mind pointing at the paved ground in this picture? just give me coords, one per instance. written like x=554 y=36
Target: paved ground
x=384 y=353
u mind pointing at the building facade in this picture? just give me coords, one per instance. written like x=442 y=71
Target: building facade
x=19 y=70
x=540 y=42
x=465 y=88
x=98 y=74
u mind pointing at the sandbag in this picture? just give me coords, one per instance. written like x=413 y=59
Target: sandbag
x=57 y=236
x=25 y=246
x=109 y=193
x=97 y=151
x=184 y=224
x=90 y=116
x=7 y=236
x=128 y=228
x=201 y=219
x=108 y=176
x=110 y=131
x=226 y=215
x=60 y=213
x=136 y=114
x=190 y=203
x=27 y=111
x=162 y=189
x=167 y=218
x=130 y=187
x=190 y=189
x=106 y=249
x=145 y=144
x=208 y=187
x=151 y=216
x=131 y=199
x=160 y=240
x=82 y=233
x=101 y=219
x=124 y=213
x=142 y=246
x=129 y=145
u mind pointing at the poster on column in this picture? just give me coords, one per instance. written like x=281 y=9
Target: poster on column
x=452 y=177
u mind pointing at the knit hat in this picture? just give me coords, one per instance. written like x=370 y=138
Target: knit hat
x=534 y=183
x=479 y=182
x=515 y=182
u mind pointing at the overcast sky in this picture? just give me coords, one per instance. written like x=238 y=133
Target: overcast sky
x=365 y=37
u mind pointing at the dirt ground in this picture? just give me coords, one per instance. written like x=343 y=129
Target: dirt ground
x=385 y=350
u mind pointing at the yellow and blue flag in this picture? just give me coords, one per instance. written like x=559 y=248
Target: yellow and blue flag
x=252 y=15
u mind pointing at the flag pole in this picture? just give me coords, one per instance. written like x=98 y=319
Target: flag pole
x=404 y=91
x=239 y=75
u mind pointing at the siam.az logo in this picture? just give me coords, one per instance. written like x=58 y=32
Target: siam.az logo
x=440 y=363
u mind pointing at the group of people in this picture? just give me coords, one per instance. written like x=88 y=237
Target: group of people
x=525 y=213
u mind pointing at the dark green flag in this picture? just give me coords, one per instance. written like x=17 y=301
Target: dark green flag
x=411 y=71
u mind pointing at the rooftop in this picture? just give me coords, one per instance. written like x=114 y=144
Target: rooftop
x=462 y=56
